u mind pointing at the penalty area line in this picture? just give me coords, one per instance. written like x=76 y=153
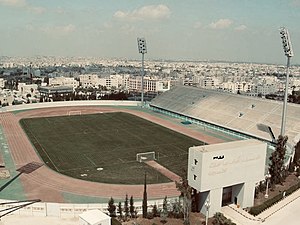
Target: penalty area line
x=91 y=161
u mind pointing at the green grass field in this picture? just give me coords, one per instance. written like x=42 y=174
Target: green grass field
x=77 y=145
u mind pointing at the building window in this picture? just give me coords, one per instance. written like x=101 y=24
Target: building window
x=195 y=161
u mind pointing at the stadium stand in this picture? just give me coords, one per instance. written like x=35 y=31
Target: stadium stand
x=237 y=112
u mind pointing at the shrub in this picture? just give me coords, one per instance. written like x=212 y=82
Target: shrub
x=220 y=219
x=150 y=215
x=155 y=211
x=114 y=221
x=258 y=209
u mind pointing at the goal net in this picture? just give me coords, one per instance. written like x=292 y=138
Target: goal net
x=145 y=156
x=74 y=113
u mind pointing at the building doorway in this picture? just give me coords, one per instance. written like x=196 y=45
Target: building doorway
x=227 y=196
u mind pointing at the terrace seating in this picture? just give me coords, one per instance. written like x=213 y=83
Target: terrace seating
x=230 y=110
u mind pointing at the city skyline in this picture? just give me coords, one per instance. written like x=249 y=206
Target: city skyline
x=233 y=30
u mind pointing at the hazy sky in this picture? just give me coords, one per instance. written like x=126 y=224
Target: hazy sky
x=234 y=30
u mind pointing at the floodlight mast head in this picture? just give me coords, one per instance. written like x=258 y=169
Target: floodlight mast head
x=142 y=49
x=286 y=42
x=142 y=45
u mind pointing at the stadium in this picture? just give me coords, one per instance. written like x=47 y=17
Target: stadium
x=192 y=115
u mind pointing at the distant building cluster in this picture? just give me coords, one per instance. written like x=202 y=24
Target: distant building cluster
x=29 y=80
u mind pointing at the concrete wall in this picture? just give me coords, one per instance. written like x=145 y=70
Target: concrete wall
x=69 y=103
x=65 y=210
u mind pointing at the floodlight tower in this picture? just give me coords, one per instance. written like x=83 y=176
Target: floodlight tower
x=287 y=48
x=142 y=49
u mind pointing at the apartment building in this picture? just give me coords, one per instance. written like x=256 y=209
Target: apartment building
x=150 y=84
x=2 y=83
x=264 y=89
x=89 y=80
x=63 y=81
x=115 y=81
x=237 y=87
x=25 y=89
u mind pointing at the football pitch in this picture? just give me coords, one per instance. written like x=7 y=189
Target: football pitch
x=103 y=147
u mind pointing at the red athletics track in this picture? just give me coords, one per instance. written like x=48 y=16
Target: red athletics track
x=48 y=185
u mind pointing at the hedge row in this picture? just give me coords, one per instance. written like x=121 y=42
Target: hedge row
x=255 y=210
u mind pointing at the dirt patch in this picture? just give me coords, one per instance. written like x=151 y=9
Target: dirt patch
x=195 y=219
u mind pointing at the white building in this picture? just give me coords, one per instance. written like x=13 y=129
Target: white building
x=25 y=89
x=226 y=173
x=94 y=217
x=150 y=84
x=6 y=97
x=235 y=87
x=2 y=83
x=89 y=80
x=63 y=81
x=265 y=89
x=209 y=82
x=114 y=81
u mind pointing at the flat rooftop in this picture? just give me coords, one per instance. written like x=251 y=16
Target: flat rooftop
x=227 y=145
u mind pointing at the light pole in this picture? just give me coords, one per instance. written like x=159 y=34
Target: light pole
x=207 y=205
x=142 y=49
x=288 y=51
x=267 y=129
x=268 y=176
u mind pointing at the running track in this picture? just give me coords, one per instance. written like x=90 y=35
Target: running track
x=48 y=185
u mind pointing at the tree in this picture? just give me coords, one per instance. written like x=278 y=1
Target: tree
x=131 y=207
x=186 y=193
x=296 y=159
x=276 y=166
x=145 y=206
x=164 y=212
x=155 y=211
x=126 y=208
x=111 y=207
x=120 y=210
x=177 y=209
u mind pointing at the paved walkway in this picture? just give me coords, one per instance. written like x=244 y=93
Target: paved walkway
x=172 y=176
x=275 y=215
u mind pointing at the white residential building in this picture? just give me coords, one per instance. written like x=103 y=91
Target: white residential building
x=25 y=89
x=63 y=81
x=265 y=89
x=2 y=83
x=150 y=85
x=6 y=97
x=235 y=87
x=209 y=82
x=114 y=81
x=89 y=80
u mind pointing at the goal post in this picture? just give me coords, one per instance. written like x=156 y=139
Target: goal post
x=145 y=156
